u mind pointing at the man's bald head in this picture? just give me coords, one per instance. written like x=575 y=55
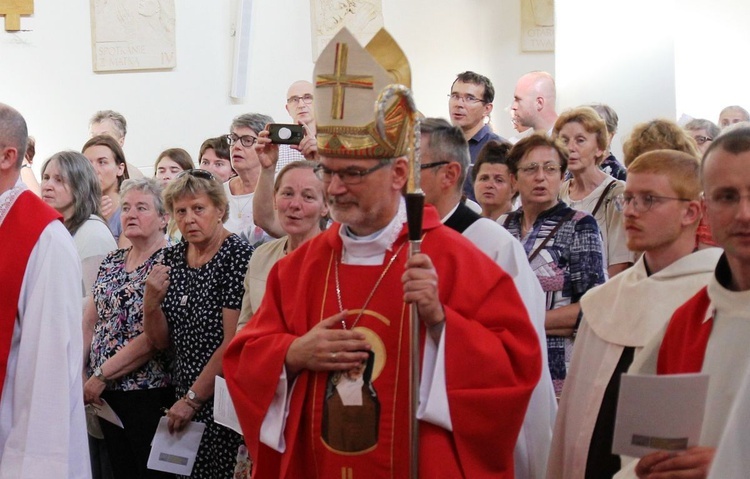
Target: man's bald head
x=13 y=134
x=534 y=100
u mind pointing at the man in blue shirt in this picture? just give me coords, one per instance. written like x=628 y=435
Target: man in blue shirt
x=470 y=102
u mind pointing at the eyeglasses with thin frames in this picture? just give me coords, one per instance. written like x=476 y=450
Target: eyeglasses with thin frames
x=197 y=173
x=293 y=100
x=348 y=176
x=245 y=140
x=702 y=139
x=642 y=203
x=549 y=169
x=434 y=164
x=467 y=99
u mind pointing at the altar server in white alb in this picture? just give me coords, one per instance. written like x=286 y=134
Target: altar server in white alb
x=42 y=423
x=661 y=211
x=711 y=331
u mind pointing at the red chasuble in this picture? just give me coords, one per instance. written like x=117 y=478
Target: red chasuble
x=684 y=345
x=19 y=232
x=492 y=364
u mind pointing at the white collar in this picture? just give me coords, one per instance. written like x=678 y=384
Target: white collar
x=370 y=250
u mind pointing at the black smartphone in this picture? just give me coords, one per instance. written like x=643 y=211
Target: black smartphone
x=286 y=134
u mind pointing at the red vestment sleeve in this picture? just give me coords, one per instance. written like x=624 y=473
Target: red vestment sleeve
x=492 y=364
x=264 y=346
x=684 y=345
x=492 y=359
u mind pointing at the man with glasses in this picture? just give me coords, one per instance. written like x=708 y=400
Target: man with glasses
x=345 y=295
x=710 y=332
x=534 y=101
x=470 y=105
x=299 y=105
x=444 y=163
x=661 y=208
x=703 y=132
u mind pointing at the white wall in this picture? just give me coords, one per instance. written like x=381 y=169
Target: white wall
x=621 y=54
x=46 y=72
x=653 y=59
x=711 y=57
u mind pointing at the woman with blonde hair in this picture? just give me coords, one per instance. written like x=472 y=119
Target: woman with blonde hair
x=589 y=189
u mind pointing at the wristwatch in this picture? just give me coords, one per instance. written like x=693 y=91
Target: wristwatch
x=193 y=397
x=98 y=374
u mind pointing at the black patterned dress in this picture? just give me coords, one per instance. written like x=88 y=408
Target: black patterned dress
x=193 y=308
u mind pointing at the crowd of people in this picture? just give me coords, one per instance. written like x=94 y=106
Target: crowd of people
x=547 y=269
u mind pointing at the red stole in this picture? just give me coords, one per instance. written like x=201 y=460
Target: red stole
x=19 y=233
x=386 y=325
x=684 y=345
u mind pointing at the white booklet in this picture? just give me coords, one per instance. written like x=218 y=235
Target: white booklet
x=106 y=412
x=659 y=413
x=224 y=412
x=176 y=452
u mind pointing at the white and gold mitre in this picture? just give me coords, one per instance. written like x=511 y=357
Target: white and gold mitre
x=348 y=80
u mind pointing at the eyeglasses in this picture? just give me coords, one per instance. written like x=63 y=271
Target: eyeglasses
x=641 y=203
x=725 y=200
x=348 y=176
x=307 y=99
x=246 y=140
x=702 y=139
x=434 y=164
x=549 y=169
x=468 y=99
x=197 y=173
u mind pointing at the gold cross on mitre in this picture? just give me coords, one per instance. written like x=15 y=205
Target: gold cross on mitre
x=339 y=81
x=13 y=9
x=349 y=131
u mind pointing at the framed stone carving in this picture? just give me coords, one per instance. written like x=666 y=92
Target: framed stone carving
x=131 y=35
x=362 y=17
x=537 y=25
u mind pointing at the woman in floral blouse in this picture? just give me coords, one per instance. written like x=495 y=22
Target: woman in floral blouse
x=563 y=245
x=124 y=369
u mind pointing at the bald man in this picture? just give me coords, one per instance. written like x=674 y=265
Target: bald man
x=299 y=105
x=534 y=101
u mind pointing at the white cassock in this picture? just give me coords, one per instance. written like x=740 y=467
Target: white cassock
x=533 y=444
x=42 y=423
x=726 y=361
x=732 y=457
x=627 y=311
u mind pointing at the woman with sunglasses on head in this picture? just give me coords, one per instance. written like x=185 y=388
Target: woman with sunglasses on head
x=108 y=160
x=563 y=245
x=192 y=304
x=240 y=189
x=590 y=189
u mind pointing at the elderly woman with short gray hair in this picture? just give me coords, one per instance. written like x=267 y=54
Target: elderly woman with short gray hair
x=124 y=368
x=241 y=188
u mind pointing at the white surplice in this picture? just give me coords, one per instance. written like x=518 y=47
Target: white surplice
x=627 y=311
x=726 y=361
x=532 y=446
x=42 y=423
